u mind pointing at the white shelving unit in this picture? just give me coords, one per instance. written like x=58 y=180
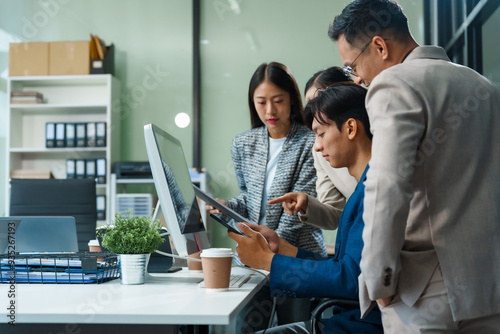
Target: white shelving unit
x=68 y=99
x=200 y=179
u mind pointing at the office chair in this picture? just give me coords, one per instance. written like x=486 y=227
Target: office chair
x=61 y=197
x=337 y=305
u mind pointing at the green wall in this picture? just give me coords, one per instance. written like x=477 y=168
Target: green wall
x=235 y=42
x=152 y=36
x=156 y=35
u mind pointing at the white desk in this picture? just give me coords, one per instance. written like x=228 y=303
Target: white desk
x=164 y=299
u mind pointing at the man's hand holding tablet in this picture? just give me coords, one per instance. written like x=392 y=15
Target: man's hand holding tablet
x=229 y=217
x=258 y=248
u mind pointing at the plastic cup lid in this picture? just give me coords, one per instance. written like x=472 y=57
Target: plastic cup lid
x=93 y=243
x=217 y=252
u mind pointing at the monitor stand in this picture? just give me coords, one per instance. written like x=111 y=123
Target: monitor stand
x=157 y=213
x=159 y=263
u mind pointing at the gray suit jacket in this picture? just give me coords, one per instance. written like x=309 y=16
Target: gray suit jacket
x=295 y=172
x=433 y=188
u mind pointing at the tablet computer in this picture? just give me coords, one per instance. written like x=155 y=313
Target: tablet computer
x=230 y=223
x=224 y=209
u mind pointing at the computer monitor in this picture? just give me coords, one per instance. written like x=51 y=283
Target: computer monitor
x=174 y=187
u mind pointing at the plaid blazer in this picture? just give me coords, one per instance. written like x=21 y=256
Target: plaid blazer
x=295 y=172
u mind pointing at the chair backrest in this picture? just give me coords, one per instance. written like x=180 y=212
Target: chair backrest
x=66 y=197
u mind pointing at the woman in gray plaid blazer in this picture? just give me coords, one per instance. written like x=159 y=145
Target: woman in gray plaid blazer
x=274 y=157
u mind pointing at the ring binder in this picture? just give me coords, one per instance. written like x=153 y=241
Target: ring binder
x=91 y=131
x=70 y=135
x=60 y=135
x=81 y=138
x=50 y=135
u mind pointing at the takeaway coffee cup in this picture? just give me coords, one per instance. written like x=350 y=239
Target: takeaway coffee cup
x=194 y=265
x=94 y=246
x=216 y=264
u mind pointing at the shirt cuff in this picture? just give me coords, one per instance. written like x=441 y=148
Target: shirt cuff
x=303 y=217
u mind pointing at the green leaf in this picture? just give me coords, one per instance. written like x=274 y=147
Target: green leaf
x=131 y=235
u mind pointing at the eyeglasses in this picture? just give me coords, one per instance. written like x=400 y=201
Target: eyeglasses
x=348 y=69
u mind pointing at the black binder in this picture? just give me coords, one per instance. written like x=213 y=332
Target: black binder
x=70 y=168
x=101 y=207
x=60 y=135
x=100 y=134
x=101 y=171
x=91 y=140
x=90 y=170
x=70 y=135
x=80 y=169
x=50 y=135
x=81 y=138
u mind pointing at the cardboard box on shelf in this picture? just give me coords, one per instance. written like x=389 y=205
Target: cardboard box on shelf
x=59 y=58
x=69 y=58
x=28 y=59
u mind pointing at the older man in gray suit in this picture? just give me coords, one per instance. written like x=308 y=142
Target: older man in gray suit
x=431 y=254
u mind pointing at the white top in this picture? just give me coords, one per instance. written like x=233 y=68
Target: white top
x=94 y=242
x=217 y=252
x=273 y=155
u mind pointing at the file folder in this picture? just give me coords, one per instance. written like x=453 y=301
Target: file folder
x=70 y=135
x=100 y=134
x=80 y=169
x=101 y=207
x=50 y=135
x=91 y=140
x=60 y=135
x=90 y=169
x=70 y=168
x=101 y=170
x=81 y=138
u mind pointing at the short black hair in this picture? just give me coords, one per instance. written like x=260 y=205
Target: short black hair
x=364 y=19
x=279 y=75
x=338 y=103
x=327 y=77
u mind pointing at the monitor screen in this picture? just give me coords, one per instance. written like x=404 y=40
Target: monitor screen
x=175 y=190
x=39 y=234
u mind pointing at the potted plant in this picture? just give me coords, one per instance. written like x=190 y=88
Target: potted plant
x=133 y=239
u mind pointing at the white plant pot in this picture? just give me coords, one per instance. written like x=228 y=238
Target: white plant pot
x=132 y=268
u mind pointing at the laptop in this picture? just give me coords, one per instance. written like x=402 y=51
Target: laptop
x=38 y=234
x=8 y=227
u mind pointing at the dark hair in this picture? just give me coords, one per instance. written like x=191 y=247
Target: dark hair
x=364 y=19
x=338 y=103
x=325 y=78
x=277 y=74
